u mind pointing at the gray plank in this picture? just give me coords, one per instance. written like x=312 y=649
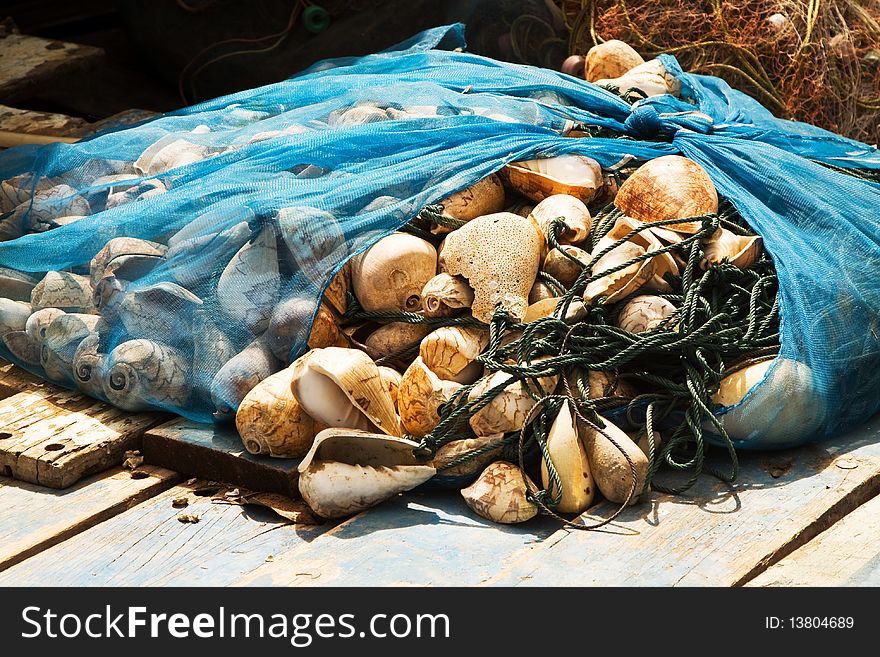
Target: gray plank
x=148 y=546
x=33 y=518
x=715 y=535
x=430 y=539
x=847 y=554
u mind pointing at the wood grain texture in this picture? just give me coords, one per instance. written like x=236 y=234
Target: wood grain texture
x=216 y=452
x=716 y=534
x=33 y=518
x=148 y=546
x=29 y=62
x=431 y=539
x=847 y=554
x=13 y=380
x=55 y=437
x=13 y=119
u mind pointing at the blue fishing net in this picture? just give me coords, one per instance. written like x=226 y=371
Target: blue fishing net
x=288 y=181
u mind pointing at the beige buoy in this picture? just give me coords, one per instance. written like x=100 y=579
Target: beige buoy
x=420 y=397
x=500 y=494
x=451 y=352
x=499 y=255
x=610 y=59
x=569 y=459
x=574 y=175
x=271 y=421
x=610 y=467
x=668 y=187
x=390 y=275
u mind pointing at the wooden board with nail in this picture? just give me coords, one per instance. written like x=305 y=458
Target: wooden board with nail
x=150 y=545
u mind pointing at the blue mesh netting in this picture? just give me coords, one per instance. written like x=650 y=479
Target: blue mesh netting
x=293 y=170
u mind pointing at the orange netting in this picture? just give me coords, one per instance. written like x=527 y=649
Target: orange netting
x=812 y=60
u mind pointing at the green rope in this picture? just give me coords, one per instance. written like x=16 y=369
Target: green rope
x=724 y=315
x=726 y=318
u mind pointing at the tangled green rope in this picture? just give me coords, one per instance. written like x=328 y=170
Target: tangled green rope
x=725 y=318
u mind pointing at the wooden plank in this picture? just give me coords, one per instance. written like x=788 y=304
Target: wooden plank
x=13 y=380
x=33 y=518
x=17 y=120
x=28 y=62
x=847 y=554
x=148 y=546
x=216 y=452
x=19 y=126
x=714 y=535
x=55 y=437
x=429 y=539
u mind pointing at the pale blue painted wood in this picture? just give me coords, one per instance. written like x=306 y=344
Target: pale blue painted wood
x=33 y=518
x=714 y=535
x=148 y=546
x=431 y=539
x=717 y=535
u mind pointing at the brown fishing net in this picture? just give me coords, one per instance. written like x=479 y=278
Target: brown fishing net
x=816 y=61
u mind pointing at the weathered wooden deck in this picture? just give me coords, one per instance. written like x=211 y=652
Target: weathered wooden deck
x=801 y=517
